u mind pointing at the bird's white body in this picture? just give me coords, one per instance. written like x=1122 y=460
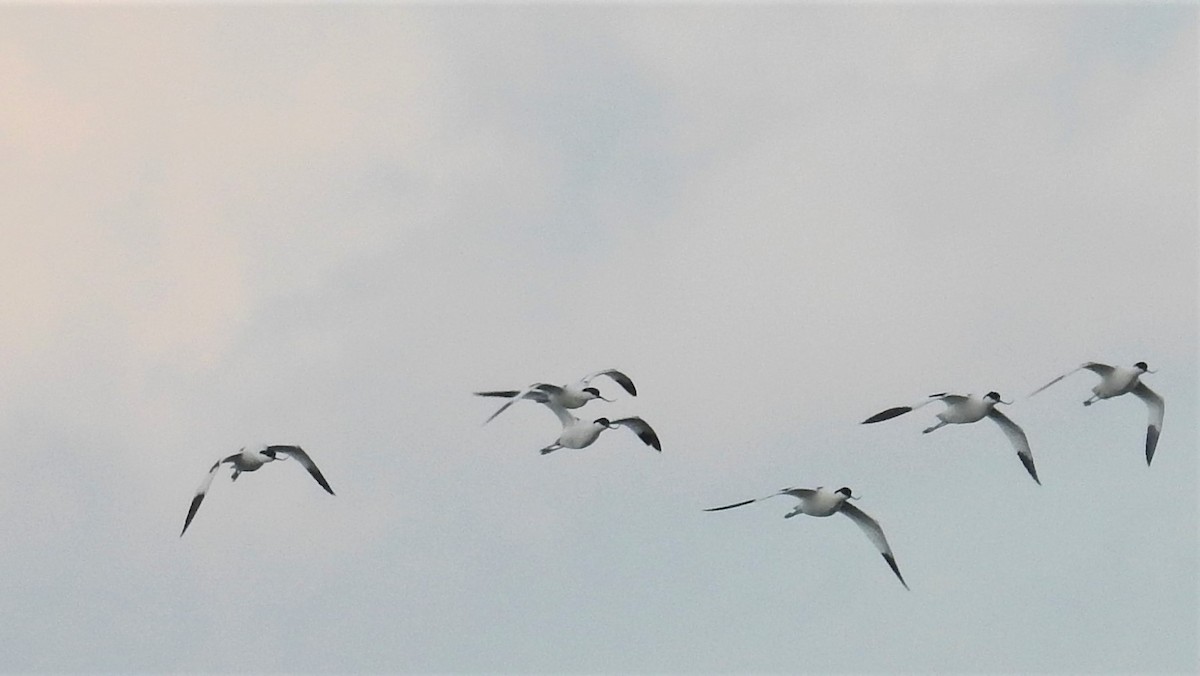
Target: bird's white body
x=248 y=461
x=822 y=502
x=573 y=395
x=1120 y=380
x=968 y=409
x=578 y=433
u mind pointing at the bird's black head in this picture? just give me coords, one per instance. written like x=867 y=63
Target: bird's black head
x=269 y=452
x=592 y=391
x=1142 y=365
x=994 y=396
x=604 y=422
x=844 y=491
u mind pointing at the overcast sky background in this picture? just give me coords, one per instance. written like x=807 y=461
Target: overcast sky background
x=328 y=226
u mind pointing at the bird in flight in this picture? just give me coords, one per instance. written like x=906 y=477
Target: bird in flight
x=1118 y=380
x=578 y=433
x=571 y=395
x=249 y=461
x=962 y=409
x=821 y=501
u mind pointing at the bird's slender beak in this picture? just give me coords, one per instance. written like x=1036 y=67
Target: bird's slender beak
x=1149 y=371
x=853 y=497
x=612 y=400
x=1006 y=403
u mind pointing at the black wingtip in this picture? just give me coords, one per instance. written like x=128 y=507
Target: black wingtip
x=891 y=561
x=1152 y=433
x=736 y=504
x=191 y=512
x=887 y=415
x=1028 y=462
x=320 y=478
x=624 y=381
x=507 y=394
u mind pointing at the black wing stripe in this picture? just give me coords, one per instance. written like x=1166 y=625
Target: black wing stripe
x=192 y=512
x=736 y=504
x=316 y=474
x=891 y=561
x=887 y=415
x=1028 y=462
x=1152 y=433
x=624 y=381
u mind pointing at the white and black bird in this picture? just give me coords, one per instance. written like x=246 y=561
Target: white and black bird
x=571 y=395
x=249 y=461
x=821 y=501
x=961 y=409
x=578 y=433
x=1118 y=380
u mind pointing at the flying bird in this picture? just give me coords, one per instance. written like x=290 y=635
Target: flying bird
x=572 y=395
x=1118 y=380
x=823 y=502
x=968 y=409
x=578 y=433
x=249 y=461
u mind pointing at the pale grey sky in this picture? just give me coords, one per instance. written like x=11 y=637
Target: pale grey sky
x=327 y=226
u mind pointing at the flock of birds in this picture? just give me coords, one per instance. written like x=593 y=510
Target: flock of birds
x=580 y=433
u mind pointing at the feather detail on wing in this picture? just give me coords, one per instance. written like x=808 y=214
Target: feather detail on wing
x=875 y=535
x=199 y=497
x=534 y=392
x=536 y=395
x=1016 y=436
x=643 y=431
x=620 y=378
x=901 y=410
x=307 y=462
x=1157 y=409
x=1093 y=366
x=888 y=414
x=800 y=493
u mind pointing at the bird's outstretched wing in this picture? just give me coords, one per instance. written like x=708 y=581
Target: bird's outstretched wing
x=620 y=378
x=302 y=457
x=564 y=416
x=1157 y=408
x=794 y=492
x=1093 y=366
x=643 y=431
x=200 y=492
x=539 y=392
x=1016 y=436
x=536 y=395
x=875 y=534
x=901 y=410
